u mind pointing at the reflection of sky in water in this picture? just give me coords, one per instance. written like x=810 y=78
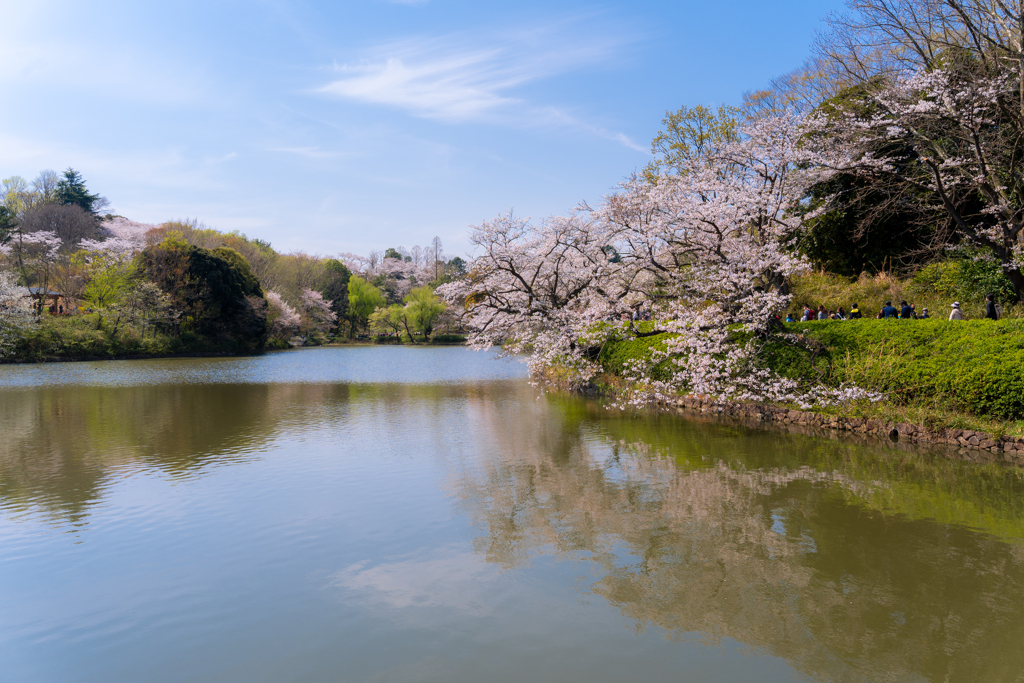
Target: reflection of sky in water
x=448 y=577
x=349 y=364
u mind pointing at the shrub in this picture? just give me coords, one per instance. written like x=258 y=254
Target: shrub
x=78 y=337
x=966 y=279
x=447 y=339
x=618 y=354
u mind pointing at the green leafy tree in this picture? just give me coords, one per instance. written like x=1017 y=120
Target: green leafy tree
x=422 y=309
x=241 y=270
x=388 y=320
x=689 y=134
x=109 y=279
x=15 y=194
x=363 y=300
x=456 y=267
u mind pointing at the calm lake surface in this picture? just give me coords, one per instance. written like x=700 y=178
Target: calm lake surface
x=424 y=514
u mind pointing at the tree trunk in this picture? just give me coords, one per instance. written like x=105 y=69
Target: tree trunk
x=1017 y=280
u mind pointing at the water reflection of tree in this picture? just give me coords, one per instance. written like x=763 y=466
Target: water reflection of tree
x=60 y=445
x=790 y=560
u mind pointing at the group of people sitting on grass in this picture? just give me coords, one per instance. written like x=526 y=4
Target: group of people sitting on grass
x=905 y=312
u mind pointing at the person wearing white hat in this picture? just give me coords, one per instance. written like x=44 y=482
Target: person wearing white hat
x=955 y=314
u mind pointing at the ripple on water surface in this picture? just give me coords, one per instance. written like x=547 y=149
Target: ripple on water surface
x=352 y=364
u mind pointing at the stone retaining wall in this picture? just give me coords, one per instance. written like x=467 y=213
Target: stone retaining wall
x=977 y=446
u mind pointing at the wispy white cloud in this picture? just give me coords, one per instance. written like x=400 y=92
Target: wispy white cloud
x=311 y=152
x=480 y=76
x=455 y=87
x=558 y=116
x=221 y=159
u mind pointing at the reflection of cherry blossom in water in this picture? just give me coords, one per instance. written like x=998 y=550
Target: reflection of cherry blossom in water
x=784 y=560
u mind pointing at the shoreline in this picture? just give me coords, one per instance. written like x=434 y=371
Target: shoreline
x=205 y=354
x=975 y=446
x=155 y=356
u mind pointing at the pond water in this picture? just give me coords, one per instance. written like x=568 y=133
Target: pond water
x=424 y=514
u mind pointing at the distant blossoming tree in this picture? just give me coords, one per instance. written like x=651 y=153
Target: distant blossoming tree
x=36 y=255
x=282 y=320
x=15 y=312
x=316 y=316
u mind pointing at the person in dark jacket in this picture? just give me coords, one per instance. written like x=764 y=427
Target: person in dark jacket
x=855 y=312
x=889 y=311
x=990 y=308
x=906 y=312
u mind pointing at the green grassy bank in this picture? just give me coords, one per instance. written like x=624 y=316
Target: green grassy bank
x=968 y=375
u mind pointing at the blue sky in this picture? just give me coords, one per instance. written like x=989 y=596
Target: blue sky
x=351 y=126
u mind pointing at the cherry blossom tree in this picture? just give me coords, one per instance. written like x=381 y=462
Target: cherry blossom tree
x=539 y=288
x=394 y=276
x=282 y=320
x=317 y=316
x=707 y=250
x=942 y=83
x=35 y=255
x=15 y=312
x=124 y=234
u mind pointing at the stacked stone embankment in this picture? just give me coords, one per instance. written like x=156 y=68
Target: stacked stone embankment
x=969 y=444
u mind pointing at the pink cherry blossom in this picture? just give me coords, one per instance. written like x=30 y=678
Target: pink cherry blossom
x=707 y=253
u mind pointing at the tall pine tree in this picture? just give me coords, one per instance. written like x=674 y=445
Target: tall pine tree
x=71 y=190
